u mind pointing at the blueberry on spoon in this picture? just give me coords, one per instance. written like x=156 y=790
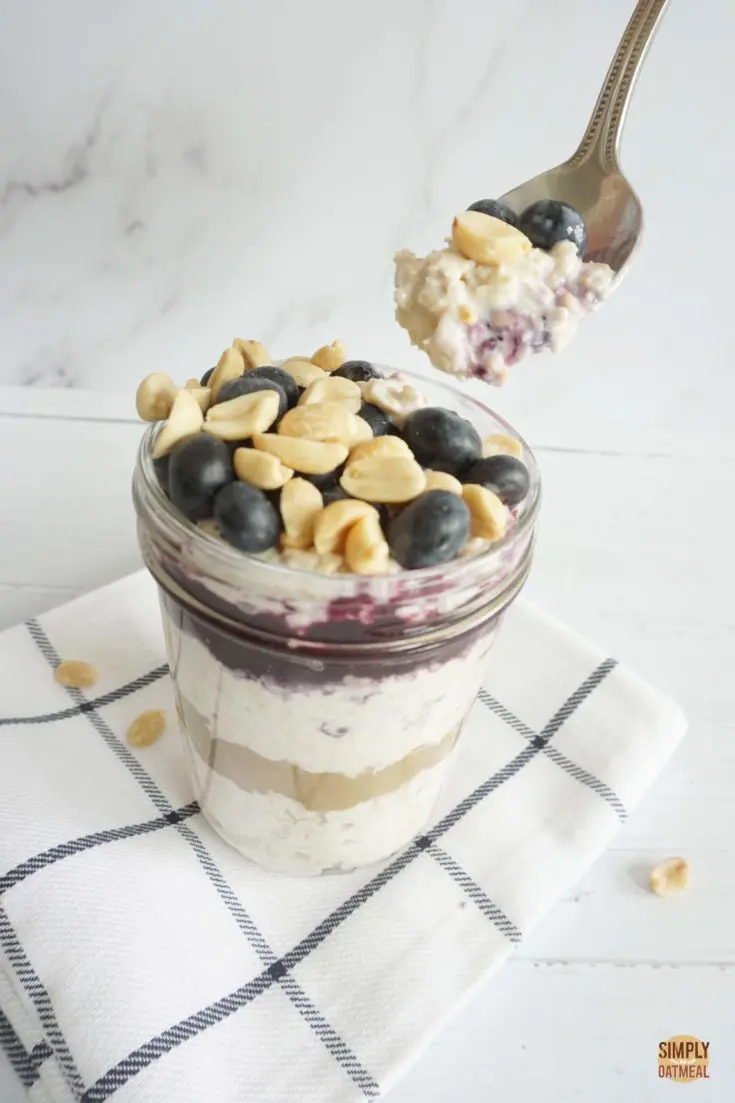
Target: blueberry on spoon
x=548 y=221
x=496 y=209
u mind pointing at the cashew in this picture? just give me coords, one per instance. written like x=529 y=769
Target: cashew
x=185 y=419
x=155 y=396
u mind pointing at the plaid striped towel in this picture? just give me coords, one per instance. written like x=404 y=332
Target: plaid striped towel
x=142 y=959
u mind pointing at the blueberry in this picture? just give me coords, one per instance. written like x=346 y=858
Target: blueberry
x=246 y=518
x=442 y=440
x=326 y=481
x=198 y=468
x=248 y=384
x=206 y=377
x=496 y=209
x=286 y=382
x=333 y=494
x=378 y=421
x=504 y=475
x=548 y=221
x=359 y=371
x=430 y=530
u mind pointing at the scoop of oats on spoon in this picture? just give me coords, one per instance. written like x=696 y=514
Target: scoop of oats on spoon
x=520 y=272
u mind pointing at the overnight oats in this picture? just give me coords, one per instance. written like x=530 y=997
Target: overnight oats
x=502 y=287
x=335 y=546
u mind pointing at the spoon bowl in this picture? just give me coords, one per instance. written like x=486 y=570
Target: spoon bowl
x=591 y=180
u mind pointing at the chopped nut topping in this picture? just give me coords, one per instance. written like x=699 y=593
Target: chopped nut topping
x=229 y=366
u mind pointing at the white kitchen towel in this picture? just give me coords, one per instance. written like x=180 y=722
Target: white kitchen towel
x=143 y=960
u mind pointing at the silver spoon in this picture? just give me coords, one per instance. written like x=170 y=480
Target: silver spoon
x=591 y=180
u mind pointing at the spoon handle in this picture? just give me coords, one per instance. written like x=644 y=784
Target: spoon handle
x=602 y=136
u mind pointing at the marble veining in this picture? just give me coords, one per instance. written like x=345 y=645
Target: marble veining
x=176 y=175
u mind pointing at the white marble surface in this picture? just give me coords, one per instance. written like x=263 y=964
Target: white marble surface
x=174 y=173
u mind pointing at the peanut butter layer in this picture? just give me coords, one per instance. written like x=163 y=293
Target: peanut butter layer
x=317 y=792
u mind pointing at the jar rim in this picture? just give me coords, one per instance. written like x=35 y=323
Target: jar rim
x=231 y=558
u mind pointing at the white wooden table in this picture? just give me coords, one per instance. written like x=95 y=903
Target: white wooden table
x=635 y=551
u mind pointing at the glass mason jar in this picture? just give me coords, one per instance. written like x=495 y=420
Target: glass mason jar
x=321 y=713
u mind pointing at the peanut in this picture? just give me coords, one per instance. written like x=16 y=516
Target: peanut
x=502 y=444
x=381 y=446
x=394 y=396
x=335 y=521
x=300 y=504
x=155 y=396
x=147 y=728
x=229 y=366
x=313 y=457
x=243 y=417
x=333 y=389
x=383 y=479
x=185 y=419
x=361 y=431
x=74 y=674
x=670 y=877
x=366 y=549
x=330 y=357
x=302 y=371
x=325 y=421
x=260 y=469
x=489 y=515
x=441 y=480
x=488 y=240
x=254 y=353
